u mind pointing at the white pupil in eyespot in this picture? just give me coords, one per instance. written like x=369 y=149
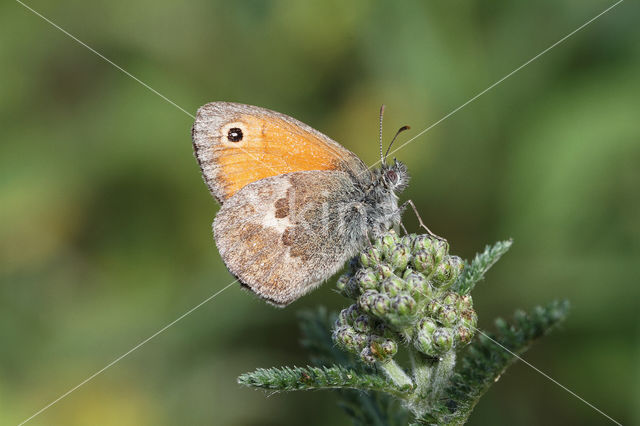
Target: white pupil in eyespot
x=234 y=134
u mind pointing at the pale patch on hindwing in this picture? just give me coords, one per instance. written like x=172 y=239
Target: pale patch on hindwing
x=283 y=236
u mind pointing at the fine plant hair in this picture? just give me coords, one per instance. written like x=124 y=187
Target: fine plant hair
x=409 y=296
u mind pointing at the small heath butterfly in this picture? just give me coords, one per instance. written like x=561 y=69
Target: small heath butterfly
x=296 y=205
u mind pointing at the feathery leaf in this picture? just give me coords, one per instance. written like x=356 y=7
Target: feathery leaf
x=308 y=378
x=475 y=271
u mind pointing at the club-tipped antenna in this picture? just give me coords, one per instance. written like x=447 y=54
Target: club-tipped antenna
x=381 y=115
x=400 y=130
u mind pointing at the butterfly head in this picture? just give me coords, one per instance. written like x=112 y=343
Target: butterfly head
x=394 y=177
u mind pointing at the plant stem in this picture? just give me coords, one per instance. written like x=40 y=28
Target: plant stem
x=432 y=377
x=441 y=374
x=422 y=372
x=396 y=374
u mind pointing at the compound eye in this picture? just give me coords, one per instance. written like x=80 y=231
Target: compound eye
x=392 y=176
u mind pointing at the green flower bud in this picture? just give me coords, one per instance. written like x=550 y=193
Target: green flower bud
x=382 y=349
x=342 y=282
x=427 y=326
x=352 y=312
x=389 y=347
x=408 y=271
x=464 y=335
x=347 y=316
x=408 y=241
x=432 y=308
x=443 y=339
x=392 y=286
x=439 y=249
x=367 y=357
x=414 y=281
x=390 y=239
x=346 y=337
x=452 y=299
x=385 y=271
x=403 y=304
x=389 y=242
x=366 y=279
x=370 y=257
x=399 y=258
x=469 y=318
x=366 y=299
x=422 y=242
x=443 y=275
x=381 y=305
x=374 y=303
x=447 y=315
x=424 y=261
x=424 y=344
x=360 y=340
x=363 y=324
x=419 y=286
x=457 y=264
x=466 y=302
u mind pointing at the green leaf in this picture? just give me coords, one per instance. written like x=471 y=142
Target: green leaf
x=308 y=378
x=475 y=271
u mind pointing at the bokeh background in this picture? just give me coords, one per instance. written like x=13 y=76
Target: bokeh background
x=105 y=221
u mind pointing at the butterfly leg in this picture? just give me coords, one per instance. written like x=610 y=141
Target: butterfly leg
x=369 y=241
x=415 y=210
x=403 y=229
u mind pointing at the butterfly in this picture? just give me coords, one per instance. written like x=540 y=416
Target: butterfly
x=296 y=205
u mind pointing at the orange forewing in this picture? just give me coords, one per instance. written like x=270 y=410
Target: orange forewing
x=269 y=148
x=272 y=144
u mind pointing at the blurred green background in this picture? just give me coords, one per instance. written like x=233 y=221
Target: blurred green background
x=105 y=221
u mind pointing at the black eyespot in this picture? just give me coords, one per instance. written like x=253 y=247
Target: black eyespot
x=234 y=134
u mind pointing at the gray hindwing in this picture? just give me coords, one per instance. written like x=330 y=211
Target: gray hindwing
x=284 y=235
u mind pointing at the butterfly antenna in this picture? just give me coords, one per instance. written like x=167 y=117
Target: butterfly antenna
x=400 y=130
x=381 y=115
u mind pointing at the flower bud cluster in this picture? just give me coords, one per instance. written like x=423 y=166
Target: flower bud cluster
x=401 y=288
x=364 y=335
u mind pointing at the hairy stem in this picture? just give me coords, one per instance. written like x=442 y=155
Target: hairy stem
x=432 y=376
x=396 y=374
x=441 y=374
